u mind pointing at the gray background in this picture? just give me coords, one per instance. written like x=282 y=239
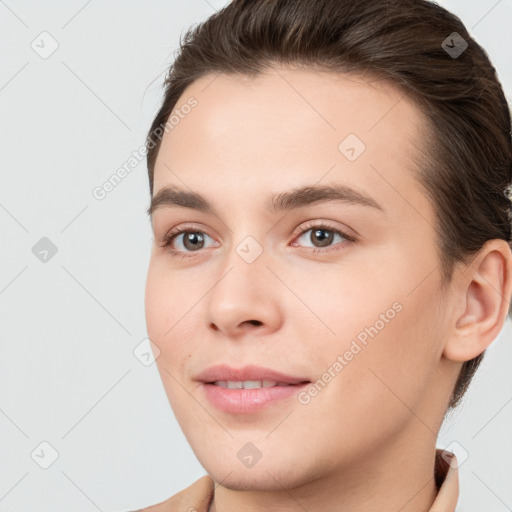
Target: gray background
x=69 y=326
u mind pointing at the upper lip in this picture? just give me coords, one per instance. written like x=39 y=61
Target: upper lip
x=251 y=372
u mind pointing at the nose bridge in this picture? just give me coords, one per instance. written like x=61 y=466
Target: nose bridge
x=243 y=291
x=248 y=245
x=245 y=264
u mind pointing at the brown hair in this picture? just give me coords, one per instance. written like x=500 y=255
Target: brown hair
x=466 y=158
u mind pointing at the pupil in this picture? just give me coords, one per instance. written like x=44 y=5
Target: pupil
x=192 y=238
x=324 y=241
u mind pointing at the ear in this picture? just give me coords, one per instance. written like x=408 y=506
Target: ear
x=482 y=301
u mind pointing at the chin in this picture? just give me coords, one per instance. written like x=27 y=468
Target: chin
x=265 y=477
x=261 y=480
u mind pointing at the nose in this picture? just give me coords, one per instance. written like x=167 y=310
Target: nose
x=246 y=298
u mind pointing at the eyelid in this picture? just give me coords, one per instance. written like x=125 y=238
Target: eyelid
x=183 y=228
x=300 y=230
x=322 y=224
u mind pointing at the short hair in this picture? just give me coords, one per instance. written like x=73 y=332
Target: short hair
x=465 y=159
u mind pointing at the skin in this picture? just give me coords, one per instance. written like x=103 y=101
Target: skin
x=366 y=441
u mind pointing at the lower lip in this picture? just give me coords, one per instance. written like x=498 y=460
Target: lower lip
x=244 y=401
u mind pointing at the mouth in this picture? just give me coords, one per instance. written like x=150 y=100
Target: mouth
x=234 y=398
x=249 y=375
x=250 y=384
x=249 y=389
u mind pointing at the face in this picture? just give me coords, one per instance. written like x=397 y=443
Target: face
x=341 y=290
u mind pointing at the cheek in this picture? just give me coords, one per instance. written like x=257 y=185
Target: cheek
x=161 y=313
x=154 y=301
x=347 y=305
x=166 y=295
x=382 y=341
x=370 y=394
x=395 y=367
x=170 y=318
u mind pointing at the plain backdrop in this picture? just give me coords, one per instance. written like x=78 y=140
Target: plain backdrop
x=80 y=82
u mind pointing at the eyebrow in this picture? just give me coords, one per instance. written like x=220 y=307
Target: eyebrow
x=283 y=201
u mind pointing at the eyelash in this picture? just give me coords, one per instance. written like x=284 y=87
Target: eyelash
x=169 y=237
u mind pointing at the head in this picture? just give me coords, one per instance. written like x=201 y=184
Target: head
x=295 y=120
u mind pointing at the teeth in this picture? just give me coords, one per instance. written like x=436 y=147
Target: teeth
x=248 y=384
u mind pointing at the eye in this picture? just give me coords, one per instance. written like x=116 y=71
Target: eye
x=323 y=235
x=193 y=240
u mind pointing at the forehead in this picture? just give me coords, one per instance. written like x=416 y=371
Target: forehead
x=287 y=127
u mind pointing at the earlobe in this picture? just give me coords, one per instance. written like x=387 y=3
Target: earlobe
x=485 y=287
